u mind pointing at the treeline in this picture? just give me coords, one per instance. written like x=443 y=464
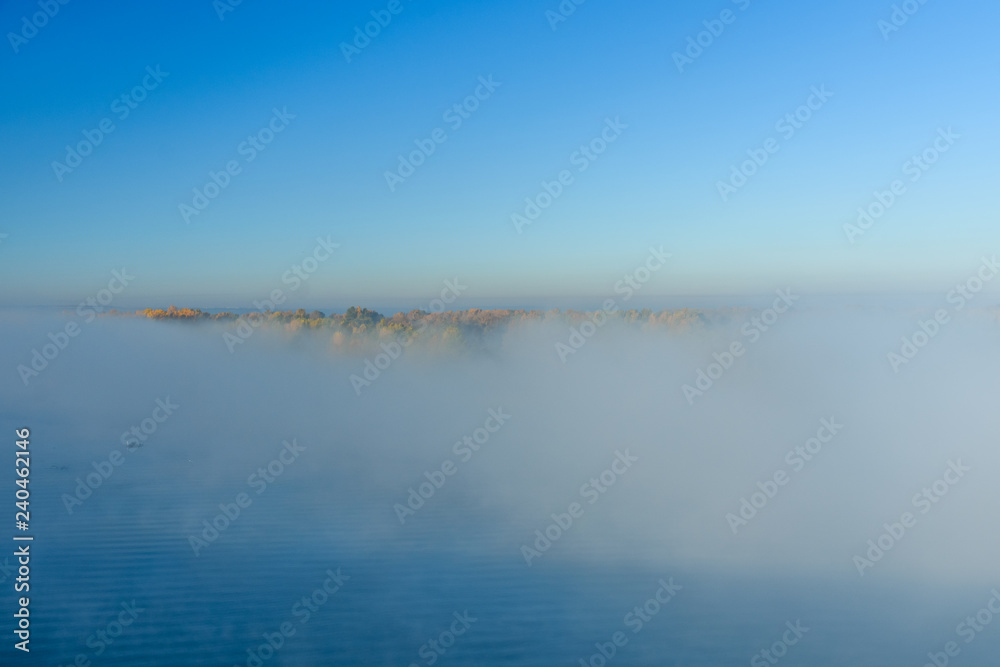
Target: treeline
x=474 y=326
x=359 y=320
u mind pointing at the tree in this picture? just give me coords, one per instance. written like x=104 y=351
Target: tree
x=361 y=317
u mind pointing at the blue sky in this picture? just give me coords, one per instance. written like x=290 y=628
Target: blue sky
x=656 y=184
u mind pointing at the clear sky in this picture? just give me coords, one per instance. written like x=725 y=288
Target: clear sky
x=655 y=184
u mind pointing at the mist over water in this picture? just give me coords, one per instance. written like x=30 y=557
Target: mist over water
x=427 y=488
x=447 y=334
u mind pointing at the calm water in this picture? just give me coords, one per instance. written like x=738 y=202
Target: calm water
x=129 y=542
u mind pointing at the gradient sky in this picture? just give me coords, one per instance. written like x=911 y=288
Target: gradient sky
x=656 y=185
